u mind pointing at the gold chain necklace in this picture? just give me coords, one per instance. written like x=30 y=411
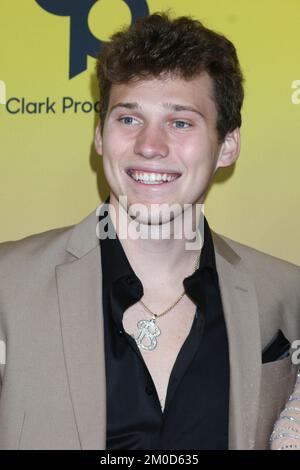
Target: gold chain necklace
x=149 y=331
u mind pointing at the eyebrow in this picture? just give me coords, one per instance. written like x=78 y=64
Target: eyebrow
x=180 y=107
x=125 y=105
x=171 y=106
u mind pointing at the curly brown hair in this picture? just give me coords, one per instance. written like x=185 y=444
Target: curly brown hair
x=156 y=45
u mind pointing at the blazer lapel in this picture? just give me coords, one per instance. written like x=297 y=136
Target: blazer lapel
x=242 y=321
x=79 y=285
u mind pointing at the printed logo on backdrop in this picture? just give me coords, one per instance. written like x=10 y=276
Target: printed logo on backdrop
x=83 y=43
x=84 y=15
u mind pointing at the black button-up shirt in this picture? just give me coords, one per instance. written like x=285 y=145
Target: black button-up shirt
x=195 y=415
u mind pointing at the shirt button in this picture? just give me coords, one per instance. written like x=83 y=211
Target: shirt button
x=149 y=390
x=130 y=280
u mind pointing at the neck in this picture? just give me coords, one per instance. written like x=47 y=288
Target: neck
x=169 y=248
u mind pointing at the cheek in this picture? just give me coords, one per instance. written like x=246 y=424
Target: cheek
x=198 y=157
x=115 y=156
x=116 y=147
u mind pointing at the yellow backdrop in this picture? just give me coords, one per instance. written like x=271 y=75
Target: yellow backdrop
x=50 y=175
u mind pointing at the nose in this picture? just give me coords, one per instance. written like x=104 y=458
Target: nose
x=151 y=142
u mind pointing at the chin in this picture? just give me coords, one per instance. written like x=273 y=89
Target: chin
x=154 y=213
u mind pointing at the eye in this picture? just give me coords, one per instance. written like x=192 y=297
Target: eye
x=179 y=124
x=127 y=120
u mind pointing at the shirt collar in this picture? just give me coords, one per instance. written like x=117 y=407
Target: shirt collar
x=116 y=264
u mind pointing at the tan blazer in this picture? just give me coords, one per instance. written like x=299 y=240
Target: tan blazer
x=53 y=389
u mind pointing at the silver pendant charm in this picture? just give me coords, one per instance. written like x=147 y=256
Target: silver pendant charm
x=148 y=334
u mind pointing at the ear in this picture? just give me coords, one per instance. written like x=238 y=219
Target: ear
x=98 y=139
x=230 y=149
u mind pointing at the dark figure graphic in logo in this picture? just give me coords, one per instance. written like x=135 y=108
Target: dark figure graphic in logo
x=82 y=41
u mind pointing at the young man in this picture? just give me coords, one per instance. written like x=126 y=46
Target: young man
x=138 y=341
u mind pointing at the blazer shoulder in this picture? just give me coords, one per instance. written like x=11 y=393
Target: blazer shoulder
x=260 y=265
x=247 y=252
x=31 y=247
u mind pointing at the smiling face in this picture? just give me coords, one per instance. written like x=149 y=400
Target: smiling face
x=160 y=144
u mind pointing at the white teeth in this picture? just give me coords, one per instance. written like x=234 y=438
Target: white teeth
x=151 y=178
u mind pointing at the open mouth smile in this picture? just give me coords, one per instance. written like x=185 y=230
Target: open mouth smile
x=152 y=178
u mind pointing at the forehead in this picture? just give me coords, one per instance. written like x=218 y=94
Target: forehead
x=155 y=92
